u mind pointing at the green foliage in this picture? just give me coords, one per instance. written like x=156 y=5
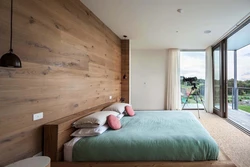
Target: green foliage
x=186 y=89
x=240 y=98
x=245 y=108
x=239 y=84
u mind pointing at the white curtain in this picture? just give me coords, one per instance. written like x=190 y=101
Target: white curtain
x=209 y=81
x=173 y=95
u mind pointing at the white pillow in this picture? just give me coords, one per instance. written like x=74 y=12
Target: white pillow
x=90 y=131
x=120 y=116
x=118 y=107
x=94 y=120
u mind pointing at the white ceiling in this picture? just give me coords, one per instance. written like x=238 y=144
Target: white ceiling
x=152 y=24
x=240 y=39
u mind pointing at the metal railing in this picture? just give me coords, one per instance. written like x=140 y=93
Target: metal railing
x=235 y=95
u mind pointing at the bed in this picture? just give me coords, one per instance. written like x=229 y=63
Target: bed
x=156 y=138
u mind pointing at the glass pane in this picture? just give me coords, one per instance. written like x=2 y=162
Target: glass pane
x=192 y=64
x=230 y=81
x=238 y=56
x=217 y=67
x=243 y=79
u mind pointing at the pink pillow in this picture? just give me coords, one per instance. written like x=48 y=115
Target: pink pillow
x=130 y=111
x=114 y=122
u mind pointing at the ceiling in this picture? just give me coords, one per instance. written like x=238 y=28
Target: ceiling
x=156 y=24
x=240 y=39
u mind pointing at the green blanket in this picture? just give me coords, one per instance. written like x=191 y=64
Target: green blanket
x=150 y=136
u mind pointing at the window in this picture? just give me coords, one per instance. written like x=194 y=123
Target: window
x=239 y=83
x=192 y=64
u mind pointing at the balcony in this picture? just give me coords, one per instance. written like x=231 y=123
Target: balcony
x=239 y=106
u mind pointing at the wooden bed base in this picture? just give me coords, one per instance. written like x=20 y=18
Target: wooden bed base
x=58 y=132
x=223 y=161
x=143 y=164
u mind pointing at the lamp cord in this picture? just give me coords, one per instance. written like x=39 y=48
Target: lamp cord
x=11 y=15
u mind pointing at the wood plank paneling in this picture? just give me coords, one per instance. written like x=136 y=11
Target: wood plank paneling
x=125 y=51
x=71 y=62
x=58 y=132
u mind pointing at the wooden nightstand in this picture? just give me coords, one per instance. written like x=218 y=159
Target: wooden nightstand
x=39 y=161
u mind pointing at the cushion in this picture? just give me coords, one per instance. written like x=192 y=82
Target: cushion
x=118 y=107
x=130 y=111
x=94 y=120
x=90 y=131
x=114 y=122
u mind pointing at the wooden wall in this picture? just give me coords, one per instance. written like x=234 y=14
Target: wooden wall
x=125 y=51
x=71 y=62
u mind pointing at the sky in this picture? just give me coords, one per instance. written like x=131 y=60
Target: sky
x=192 y=64
x=243 y=64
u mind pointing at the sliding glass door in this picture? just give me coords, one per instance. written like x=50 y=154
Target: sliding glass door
x=233 y=52
x=238 y=53
x=219 y=79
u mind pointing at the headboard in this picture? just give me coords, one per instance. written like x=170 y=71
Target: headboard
x=58 y=132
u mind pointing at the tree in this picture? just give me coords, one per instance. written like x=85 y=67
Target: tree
x=245 y=84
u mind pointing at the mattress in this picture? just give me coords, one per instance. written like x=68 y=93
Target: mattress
x=148 y=136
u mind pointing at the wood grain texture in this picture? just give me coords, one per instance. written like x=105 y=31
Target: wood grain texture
x=57 y=132
x=223 y=161
x=145 y=164
x=125 y=51
x=71 y=62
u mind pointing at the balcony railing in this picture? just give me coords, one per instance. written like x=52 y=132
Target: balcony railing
x=239 y=97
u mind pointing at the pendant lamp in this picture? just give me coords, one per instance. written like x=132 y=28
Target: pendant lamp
x=10 y=59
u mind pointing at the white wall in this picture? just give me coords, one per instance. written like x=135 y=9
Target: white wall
x=148 y=79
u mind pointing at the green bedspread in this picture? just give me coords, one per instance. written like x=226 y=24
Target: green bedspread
x=150 y=136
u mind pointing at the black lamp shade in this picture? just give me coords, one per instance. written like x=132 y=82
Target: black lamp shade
x=10 y=60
